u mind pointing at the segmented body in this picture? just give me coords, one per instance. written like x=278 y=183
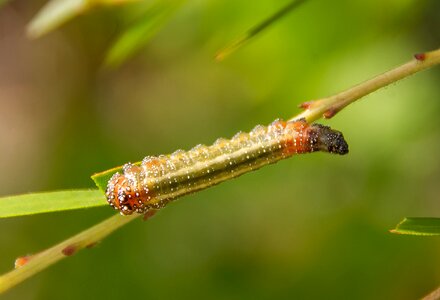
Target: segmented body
x=161 y=179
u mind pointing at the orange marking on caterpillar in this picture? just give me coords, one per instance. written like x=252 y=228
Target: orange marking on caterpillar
x=159 y=180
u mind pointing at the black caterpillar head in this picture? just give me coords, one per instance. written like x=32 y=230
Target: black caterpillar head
x=329 y=140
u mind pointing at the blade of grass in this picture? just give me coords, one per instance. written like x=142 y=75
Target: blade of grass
x=101 y=179
x=418 y=226
x=36 y=203
x=139 y=34
x=254 y=31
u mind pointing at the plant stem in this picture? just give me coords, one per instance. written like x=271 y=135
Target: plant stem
x=42 y=260
x=326 y=107
x=434 y=295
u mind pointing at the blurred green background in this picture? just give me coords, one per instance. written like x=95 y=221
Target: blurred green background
x=312 y=227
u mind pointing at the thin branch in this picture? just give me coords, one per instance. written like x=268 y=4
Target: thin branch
x=434 y=295
x=38 y=262
x=326 y=107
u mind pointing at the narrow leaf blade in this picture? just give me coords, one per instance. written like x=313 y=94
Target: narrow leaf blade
x=101 y=179
x=418 y=226
x=140 y=33
x=36 y=203
x=254 y=31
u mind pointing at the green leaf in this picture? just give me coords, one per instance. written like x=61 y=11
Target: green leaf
x=140 y=33
x=254 y=31
x=36 y=203
x=101 y=179
x=418 y=226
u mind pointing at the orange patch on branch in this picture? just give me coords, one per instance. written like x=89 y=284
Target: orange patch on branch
x=22 y=260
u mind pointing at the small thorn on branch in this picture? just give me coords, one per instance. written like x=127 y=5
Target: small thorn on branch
x=330 y=113
x=420 y=56
x=69 y=250
x=22 y=260
x=306 y=105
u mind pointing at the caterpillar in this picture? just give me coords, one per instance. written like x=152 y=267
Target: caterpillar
x=160 y=179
